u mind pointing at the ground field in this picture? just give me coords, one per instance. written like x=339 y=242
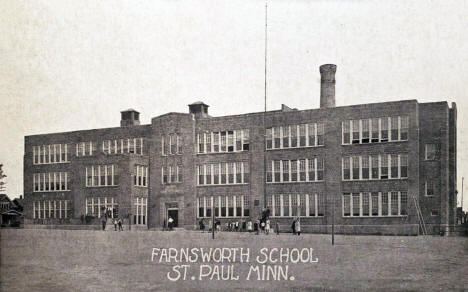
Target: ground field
x=80 y=260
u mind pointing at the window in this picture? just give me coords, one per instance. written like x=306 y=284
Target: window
x=320 y=134
x=208 y=174
x=208 y=142
x=140 y=176
x=346 y=131
x=375 y=130
x=375 y=204
x=285 y=170
x=394 y=127
x=404 y=166
x=246 y=206
x=201 y=173
x=215 y=142
x=286 y=136
x=171 y=174
x=385 y=204
x=51 y=154
x=179 y=173
x=180 y=144
x=286 y=205
x=98 y=206
x=435 y=213
x=375 y=167
x=223 y=141
x=201 y=143
x=238 y=144
x=276 y=138
x=355 y=166
x=57 y=209
x=238 y=202
x=302 y=135
x=230 y=202
x=269 y=139
x=365 y=167
x=163 y=146
x=429 y=188
x=302 y=170
x=320 y=168
x=230 y=141
x=293 y=131
x=384 y=166
x=238 y=172
x=231 y=172
x=245 y=140
x=223 y=206
x=164 y=175
x=430 y=151
x=355 y=125
x=269 y=171
x=209 y=206
x=394 y=166
x=82 y=149
x=404 y=128
x=293 y=170
x=120 y=146
x=223 y=173
x=346 y=204
x=365 y=204
x=346 y=168
x=201 y=207
x=365 y=131
x=384 y=130
x=140 y=206
x=311 y=170
x=294 y=205
x=51 y=182
x=276 y=170
x=101 y=175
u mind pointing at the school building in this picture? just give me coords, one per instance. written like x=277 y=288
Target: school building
x=381 y=168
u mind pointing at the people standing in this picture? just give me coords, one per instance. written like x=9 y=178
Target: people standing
x=104 y=220
x=249 y=226
x=120 y=224
x=115 y=224
x=293 y=226
x=298 y=226
x=202 y=225
x=169 y=222
x=267 y=227
x=277 y=228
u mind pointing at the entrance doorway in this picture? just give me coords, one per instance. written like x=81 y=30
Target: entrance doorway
x=174 y=214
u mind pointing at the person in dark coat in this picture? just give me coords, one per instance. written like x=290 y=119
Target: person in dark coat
x=293 y=226
x=120 y=224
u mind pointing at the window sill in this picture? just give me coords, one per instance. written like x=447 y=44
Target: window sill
x=290 y=217
x=110 y=186
x=374 y=143
x=385 y=216
x=171 y=183
x=166 y=155
x=230 y=152
x=295 y=182
x=383 y=179
x=222 y=185
x=50 y=163
x=51 y=191
x=141 y=186
x=294 y=148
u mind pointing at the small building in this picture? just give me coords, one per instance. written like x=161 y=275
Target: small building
x=379 y=168
x=10 y=211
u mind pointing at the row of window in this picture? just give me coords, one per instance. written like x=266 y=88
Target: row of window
x=51 y=182
x=140 y=211
x=383 y=166
x=224 y=141
x=51 y=209
x=301 y=170
x=375 y=130
x=223 y=173
x=289 y=205
x=294 y=136
x=121 y=146
x=48 y=154
x=101 y=175
x=85 y=148
x=140 y=177
x=224 y=206
x=375 y=204
x=99 y=206
x=171 y=174
x=171 y=144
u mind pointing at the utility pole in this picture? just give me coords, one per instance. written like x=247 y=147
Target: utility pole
x=212 y=219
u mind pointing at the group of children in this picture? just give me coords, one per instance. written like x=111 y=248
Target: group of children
x=258 y=226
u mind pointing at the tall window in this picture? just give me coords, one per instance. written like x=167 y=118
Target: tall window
x=375 y=130
x=394 y=129
x=429 y=188
x=51 y=182
x=51 y=154
x=375 y=204
x=365 y=131
x=269 y=138
x=101 y=175
x=302 y=135
x=383 y=129
x=285 y=170
x=346 y=132
x=384 y=166
x=355 y=162
x=346 y=168
x=286 y=136
x=140 y=176
x=277 y=138
x=404 y=128
x=355 y=124
x=179 y=173
x=140 y=209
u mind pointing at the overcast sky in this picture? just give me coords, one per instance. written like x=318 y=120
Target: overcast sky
x=72 y=65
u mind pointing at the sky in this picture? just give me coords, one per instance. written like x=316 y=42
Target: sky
x=73 y=65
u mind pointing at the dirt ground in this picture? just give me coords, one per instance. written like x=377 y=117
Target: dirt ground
x=59 y=260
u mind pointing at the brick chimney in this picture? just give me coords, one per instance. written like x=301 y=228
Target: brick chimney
x=327 y=85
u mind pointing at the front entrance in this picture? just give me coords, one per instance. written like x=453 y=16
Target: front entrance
x=174 y=214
